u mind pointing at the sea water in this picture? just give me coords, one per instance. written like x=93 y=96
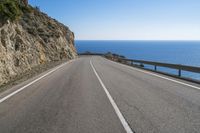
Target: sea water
x=176 y=52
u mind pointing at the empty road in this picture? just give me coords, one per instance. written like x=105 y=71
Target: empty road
x=94 y=95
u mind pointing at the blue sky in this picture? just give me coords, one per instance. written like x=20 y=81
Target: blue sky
x=127 y=19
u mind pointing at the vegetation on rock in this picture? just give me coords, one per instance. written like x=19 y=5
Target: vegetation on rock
x=9 y=9
x=12 y=9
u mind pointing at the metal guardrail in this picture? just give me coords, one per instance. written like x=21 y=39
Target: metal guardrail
x=178 y=67
x=98 y=54
x=167 y=65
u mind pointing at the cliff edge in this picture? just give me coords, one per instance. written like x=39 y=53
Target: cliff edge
x=29 y=38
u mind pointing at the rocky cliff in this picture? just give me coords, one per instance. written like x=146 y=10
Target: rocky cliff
x=32 y=39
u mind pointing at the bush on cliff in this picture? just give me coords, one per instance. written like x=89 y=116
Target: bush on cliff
x=12 y=10
x=9 y=10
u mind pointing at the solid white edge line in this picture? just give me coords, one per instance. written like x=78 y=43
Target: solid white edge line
x=156 y=75
x=17 y=91
x=119 y=114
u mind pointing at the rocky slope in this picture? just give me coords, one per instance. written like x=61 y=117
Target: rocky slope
x=31 y=40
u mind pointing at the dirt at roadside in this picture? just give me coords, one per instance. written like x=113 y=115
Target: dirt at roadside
x=30 y=74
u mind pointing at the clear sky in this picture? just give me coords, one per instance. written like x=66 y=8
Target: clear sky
x=127 y=19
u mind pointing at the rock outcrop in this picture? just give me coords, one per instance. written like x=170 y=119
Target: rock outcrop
x=23 y=2
x=31 y=40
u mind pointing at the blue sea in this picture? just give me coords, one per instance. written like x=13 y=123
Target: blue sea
x=177 y=52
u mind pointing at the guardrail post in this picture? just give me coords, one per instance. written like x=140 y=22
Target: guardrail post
x=141 y=65
x=155 y=68
x=179 y=72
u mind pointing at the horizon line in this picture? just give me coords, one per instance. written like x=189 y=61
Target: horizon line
x=131 y=40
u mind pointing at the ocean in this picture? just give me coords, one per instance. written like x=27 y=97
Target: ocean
x=177 y=52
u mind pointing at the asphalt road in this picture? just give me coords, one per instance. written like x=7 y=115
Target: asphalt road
x=73 y=99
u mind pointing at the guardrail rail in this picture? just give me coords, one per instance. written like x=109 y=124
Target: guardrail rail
x=178 y=67
x=141 y=63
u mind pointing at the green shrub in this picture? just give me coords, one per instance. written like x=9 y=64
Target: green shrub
x=10 y=10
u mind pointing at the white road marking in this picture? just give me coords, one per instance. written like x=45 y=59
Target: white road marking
x=119 y=114
x=156 y=75
x=17 y=91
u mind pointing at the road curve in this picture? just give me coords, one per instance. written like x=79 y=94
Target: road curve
x=73 y=100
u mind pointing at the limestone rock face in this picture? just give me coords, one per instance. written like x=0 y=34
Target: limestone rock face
x=32 y=40
x=24 y=2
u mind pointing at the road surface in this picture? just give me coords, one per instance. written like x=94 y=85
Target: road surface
x=95 y=95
